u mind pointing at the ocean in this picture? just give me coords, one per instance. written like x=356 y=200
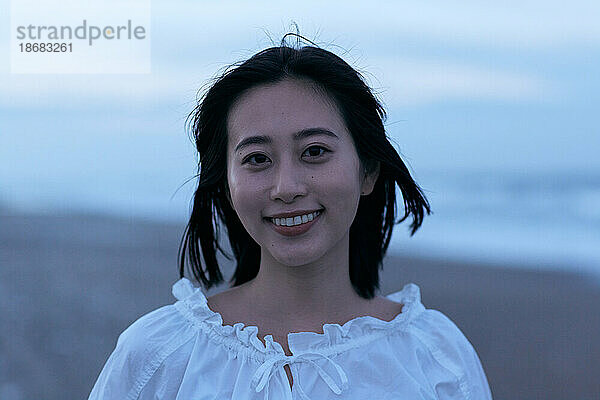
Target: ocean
x=523 y=218
x=533 y=219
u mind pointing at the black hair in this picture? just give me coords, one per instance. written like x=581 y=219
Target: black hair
x=363 y=114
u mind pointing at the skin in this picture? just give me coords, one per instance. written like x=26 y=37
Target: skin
x=303 y=281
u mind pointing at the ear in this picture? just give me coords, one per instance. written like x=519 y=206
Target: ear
x=370 y=178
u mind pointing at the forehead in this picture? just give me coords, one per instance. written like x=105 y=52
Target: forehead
x=282 y=109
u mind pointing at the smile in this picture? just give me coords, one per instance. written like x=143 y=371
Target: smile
x=297 y=220
x=293 y=226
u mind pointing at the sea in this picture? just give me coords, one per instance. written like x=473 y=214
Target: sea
x=521 y=219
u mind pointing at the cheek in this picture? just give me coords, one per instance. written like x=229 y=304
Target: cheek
x=340 y=191
x=238 y=188
x=242 y=199
x=246 y=209
x=237 y=193
x=341 y=180
x=247 y=200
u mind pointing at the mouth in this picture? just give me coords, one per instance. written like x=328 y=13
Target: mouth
x=298 y=225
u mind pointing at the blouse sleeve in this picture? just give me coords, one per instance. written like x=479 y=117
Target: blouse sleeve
x=141 y=349
x=453 y=352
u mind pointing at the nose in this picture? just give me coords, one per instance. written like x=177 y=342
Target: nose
x=288 y=182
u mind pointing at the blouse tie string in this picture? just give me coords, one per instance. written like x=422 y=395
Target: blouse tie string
x=272 y=365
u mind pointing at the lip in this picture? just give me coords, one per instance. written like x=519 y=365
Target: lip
x=294 y=230
x=293 y=213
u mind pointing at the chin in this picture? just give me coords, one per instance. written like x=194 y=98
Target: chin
x=297 y=258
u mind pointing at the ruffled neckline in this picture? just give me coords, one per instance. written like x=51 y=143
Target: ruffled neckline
x=194 y=305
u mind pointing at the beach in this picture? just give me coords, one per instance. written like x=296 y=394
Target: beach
x=70 y=284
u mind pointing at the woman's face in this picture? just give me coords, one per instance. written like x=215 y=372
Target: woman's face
x=279 y=172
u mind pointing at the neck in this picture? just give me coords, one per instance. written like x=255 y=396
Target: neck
x=306 y=295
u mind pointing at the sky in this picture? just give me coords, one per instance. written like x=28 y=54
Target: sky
x=510 y=86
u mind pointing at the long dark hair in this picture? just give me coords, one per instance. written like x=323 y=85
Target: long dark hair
x=363 y=114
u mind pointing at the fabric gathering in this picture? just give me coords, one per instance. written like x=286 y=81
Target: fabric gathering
x=183 y=351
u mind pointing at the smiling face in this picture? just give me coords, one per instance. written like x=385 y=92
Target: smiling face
x=317 y=169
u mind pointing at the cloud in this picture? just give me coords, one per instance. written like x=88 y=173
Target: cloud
x=420 y=81
x=404 y=82
x=521 y=24
x=191 y=40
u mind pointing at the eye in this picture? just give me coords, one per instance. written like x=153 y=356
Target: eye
x=318 y=148
x=251 y=156
x=259 y=156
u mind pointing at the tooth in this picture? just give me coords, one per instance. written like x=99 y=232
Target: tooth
x=297 y=220
x=304 y=219
x=310 y=216
x=289 y=221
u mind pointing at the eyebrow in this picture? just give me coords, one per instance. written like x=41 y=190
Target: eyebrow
x=304 y=133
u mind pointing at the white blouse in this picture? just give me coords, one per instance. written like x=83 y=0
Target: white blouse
x=183 y=351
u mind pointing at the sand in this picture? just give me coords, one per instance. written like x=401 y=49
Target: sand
x=70 y=284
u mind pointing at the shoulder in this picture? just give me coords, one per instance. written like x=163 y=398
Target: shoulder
x=451 y=351
x=440 y=332
x=140 y=350
x=152 y=330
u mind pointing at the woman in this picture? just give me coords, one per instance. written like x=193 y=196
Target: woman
x=295 y=162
